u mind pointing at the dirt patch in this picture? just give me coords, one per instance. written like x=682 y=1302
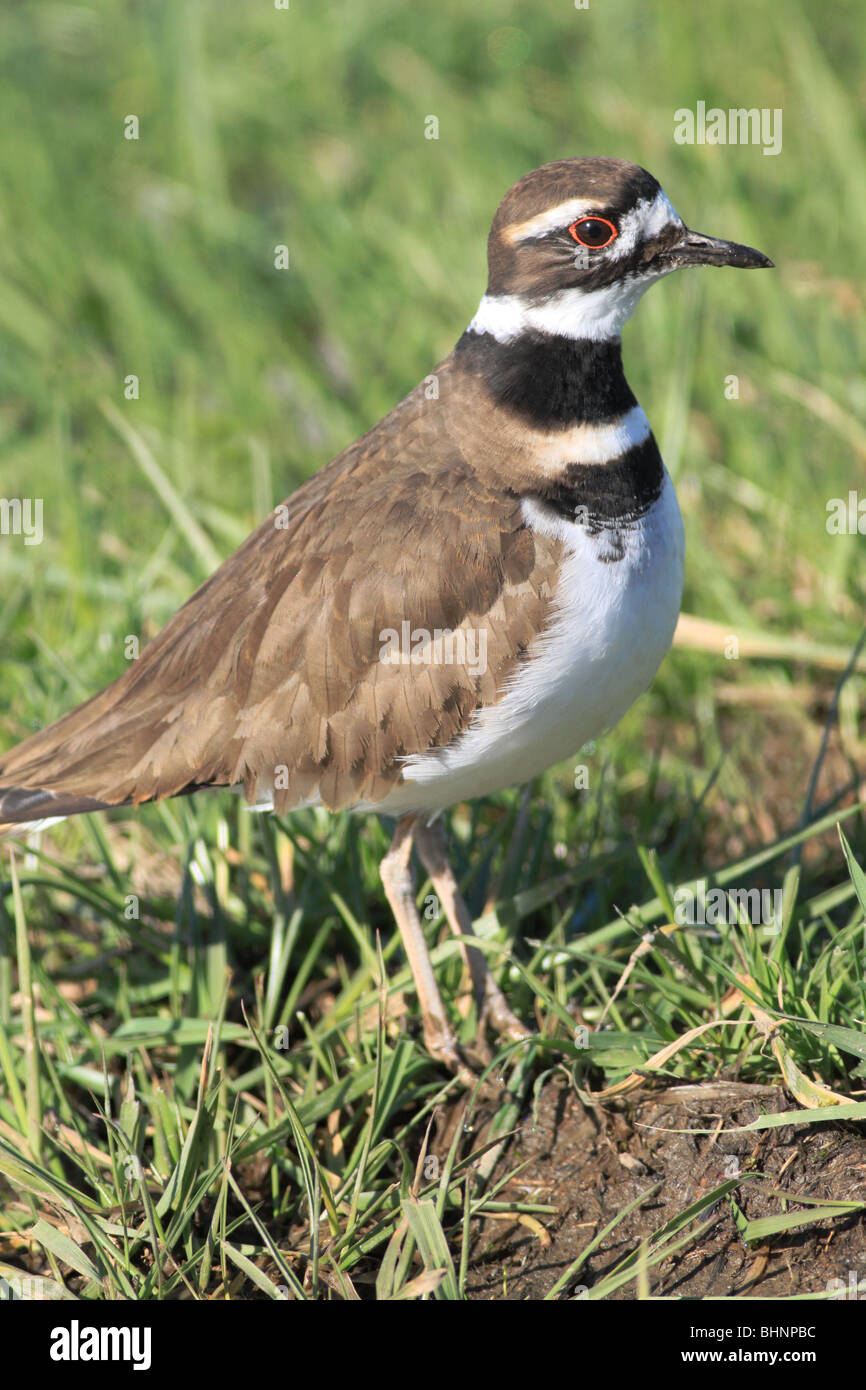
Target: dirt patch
x=591 y=1163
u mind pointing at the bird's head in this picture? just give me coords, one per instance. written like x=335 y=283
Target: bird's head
x=575 y=244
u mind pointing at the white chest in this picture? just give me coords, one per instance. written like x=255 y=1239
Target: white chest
x=614 y=622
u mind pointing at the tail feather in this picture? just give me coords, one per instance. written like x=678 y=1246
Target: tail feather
x=20 y=805
x=140 y=739
x=43 y=779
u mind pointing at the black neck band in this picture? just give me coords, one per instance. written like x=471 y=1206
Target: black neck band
x=550 y=380
x=606 y=496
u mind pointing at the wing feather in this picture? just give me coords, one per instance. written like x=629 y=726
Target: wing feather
x=274 y=663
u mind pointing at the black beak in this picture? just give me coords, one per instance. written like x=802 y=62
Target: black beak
x=693 y=248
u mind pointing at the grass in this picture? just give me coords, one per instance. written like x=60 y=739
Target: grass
x=210 y=1080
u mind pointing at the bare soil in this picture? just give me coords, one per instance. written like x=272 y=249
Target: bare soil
x=591 y=1163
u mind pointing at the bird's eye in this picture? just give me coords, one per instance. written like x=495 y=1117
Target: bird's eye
x=594 y=232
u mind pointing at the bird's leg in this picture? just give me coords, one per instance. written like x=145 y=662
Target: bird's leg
x=491 y=1002
x=399 y=884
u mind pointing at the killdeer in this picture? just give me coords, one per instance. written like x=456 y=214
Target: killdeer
x=484 y=581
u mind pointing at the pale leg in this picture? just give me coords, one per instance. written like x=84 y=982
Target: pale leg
x=399 y=884
x=491 y=1002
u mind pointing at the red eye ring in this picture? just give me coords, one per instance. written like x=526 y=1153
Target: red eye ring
x=599 y=245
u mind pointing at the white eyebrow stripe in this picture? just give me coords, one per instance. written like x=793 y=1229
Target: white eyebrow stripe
x=646 y=219
x=549 y=221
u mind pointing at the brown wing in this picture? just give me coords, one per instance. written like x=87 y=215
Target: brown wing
x=272 y=669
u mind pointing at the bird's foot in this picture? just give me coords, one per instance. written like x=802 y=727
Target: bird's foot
x=499 y=1015
x=441 y=1042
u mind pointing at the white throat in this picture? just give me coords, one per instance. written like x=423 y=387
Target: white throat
x=572 y=313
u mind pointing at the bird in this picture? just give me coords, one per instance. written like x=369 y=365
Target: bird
x=479 y=585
